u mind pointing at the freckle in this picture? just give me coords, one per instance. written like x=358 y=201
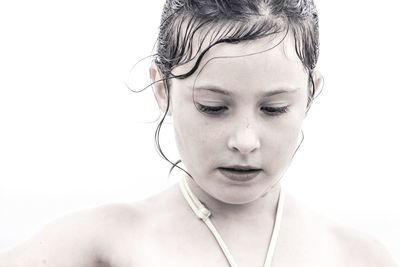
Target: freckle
x=44 y=261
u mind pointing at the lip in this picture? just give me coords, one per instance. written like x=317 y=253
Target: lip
x=240 y=173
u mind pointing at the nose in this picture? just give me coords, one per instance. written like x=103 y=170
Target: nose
x=244 y=139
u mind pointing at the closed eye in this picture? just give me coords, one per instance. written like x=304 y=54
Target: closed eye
x=211 y=109
x=215 y=110
x=274 y=111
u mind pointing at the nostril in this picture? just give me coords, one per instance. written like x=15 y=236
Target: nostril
x=244 y=142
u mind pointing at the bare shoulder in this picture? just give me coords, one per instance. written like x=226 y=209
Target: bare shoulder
x=338 y=242
x=362 y=249
x=80 y=238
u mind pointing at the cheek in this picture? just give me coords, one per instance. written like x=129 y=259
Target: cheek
x=195 y=136
x=282 y=140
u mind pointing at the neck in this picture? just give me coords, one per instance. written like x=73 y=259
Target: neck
x=260 y=210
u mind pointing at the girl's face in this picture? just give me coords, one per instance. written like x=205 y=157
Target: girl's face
x=244 y=111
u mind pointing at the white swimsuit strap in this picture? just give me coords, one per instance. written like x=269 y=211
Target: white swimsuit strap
x=276 y=228
x=204 y=214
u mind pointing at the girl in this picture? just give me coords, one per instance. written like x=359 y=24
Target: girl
x=237 y=78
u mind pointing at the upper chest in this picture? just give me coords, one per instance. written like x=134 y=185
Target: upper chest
x=172 y=253
x=167 y=245
x=165 y=235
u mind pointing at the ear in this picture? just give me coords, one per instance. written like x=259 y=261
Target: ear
x=318 y=81
x=159 y=89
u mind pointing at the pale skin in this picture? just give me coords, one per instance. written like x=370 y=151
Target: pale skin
x=163 y=231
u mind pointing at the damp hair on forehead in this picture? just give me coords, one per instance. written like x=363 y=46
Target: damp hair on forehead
x=184 y=22
x=189 y=29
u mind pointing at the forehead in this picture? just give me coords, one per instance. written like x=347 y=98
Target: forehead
x=268 y=61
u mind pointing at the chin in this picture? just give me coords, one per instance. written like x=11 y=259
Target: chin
x=239 y=197
x=244 y=195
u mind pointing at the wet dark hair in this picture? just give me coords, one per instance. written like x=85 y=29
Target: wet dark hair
x=230 y=21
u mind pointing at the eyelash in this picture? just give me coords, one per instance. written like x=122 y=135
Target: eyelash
x=275 y=111
x=216 y=110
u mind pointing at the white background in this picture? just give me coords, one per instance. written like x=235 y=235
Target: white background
x=70 y=131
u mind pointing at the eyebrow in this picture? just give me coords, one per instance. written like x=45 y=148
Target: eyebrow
x=276 y=91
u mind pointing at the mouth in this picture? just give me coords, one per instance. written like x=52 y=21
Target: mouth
x=240 y=173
